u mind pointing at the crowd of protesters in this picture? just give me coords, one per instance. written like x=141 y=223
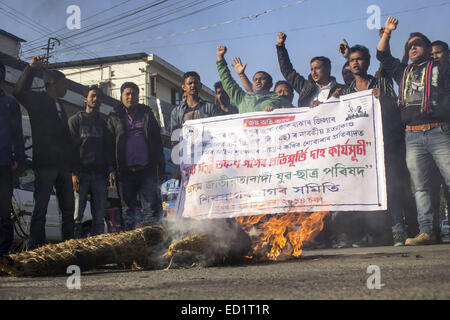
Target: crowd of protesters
x=81 y=155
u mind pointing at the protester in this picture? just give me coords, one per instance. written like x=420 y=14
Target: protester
x=52 y=148
x=223 y=100
x=12 y=154
x=284 y=89
x=440 y=52
x=424 y=93
x=92 y=161
x=281 y=88
x=138 y=156
x=259 y=99
x=193 y=107
x=320 y=85
x=393 y=138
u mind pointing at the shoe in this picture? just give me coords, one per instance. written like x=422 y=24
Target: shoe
x=399 y=238
x=341 y=241
x=421 y=239
x=366 y=241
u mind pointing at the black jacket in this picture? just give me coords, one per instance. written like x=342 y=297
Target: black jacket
x=411 y=115
x=52 y=144
x=117 y=131
x=91 y=144
x=305 y=88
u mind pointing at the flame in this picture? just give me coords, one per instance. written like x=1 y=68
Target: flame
x=281 y=236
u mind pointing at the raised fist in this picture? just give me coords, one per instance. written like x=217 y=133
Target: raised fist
x=221 y=50
x=281 y=38
x=37 y=61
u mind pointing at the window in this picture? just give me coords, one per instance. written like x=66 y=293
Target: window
x=153 y=86
x=175 y=97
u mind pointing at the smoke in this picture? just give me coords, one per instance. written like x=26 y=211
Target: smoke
x=202 y=243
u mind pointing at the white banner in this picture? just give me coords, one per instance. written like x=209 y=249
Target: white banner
x=326 y=158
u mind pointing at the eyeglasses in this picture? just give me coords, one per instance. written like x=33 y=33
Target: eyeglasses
x=416 y=43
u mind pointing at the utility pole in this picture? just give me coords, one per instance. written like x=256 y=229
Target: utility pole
x=50 y=46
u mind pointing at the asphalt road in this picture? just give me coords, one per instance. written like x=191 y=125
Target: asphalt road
x=421 y=272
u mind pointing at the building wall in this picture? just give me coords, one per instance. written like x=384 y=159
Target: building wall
x=9 y=46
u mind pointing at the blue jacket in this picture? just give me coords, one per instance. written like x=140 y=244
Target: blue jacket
x=11 y=137
x=207 y=109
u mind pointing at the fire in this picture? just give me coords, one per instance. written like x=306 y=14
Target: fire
x=281 y=236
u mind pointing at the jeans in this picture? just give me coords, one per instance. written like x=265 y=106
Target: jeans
x=144 y=184
x=397 y=186
x=6 y=225
x=95 y=184
x=43 y=186
x=426 y=150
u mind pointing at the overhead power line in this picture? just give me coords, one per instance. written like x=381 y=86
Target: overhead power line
x=106 y=22
x=128 y=45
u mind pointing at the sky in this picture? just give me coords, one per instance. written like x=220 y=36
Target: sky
x=247 y=27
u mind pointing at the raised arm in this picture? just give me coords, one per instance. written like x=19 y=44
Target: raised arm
x=22 y=90
x=393 y=67
x=287 y=70
x=240 y=70
x=230 y=86
x=390 y=25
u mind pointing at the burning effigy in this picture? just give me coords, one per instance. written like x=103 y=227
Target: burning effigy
x=175 y=243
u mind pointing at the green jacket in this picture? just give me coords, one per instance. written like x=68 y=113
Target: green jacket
x=247 y=101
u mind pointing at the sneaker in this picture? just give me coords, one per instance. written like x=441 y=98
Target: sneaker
x=366 y=241
x=342 y=241
x=421 y=239
x=399 y=238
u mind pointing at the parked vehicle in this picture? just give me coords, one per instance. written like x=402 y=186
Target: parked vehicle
x=23 y=204
x=445 y=230
x=169 y=193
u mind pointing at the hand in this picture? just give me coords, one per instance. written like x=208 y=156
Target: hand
x=344 y=49
x=37 y=61
x=314 y=104
x=376 y=93
x=237 y=65
x=391 y=24
x=381 y=32
x=337 y=93
x=221 y=50
x=76 y=183
x=269 y=108
x=281 y=38
x=111 y=178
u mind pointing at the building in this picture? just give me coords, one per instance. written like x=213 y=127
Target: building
x=10 y=44
x=159 y=82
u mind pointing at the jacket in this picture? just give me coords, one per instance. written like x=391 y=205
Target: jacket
x=52 y=143
x=117 y=133
x=306 y=88
x=411 y=115
x=11 y=137
x=247 y=101
x=207 y=109
x=91 y=144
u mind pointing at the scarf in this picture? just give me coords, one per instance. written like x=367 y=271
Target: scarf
x=426 y=81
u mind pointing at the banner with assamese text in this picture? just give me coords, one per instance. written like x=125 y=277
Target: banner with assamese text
x=328 y=158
